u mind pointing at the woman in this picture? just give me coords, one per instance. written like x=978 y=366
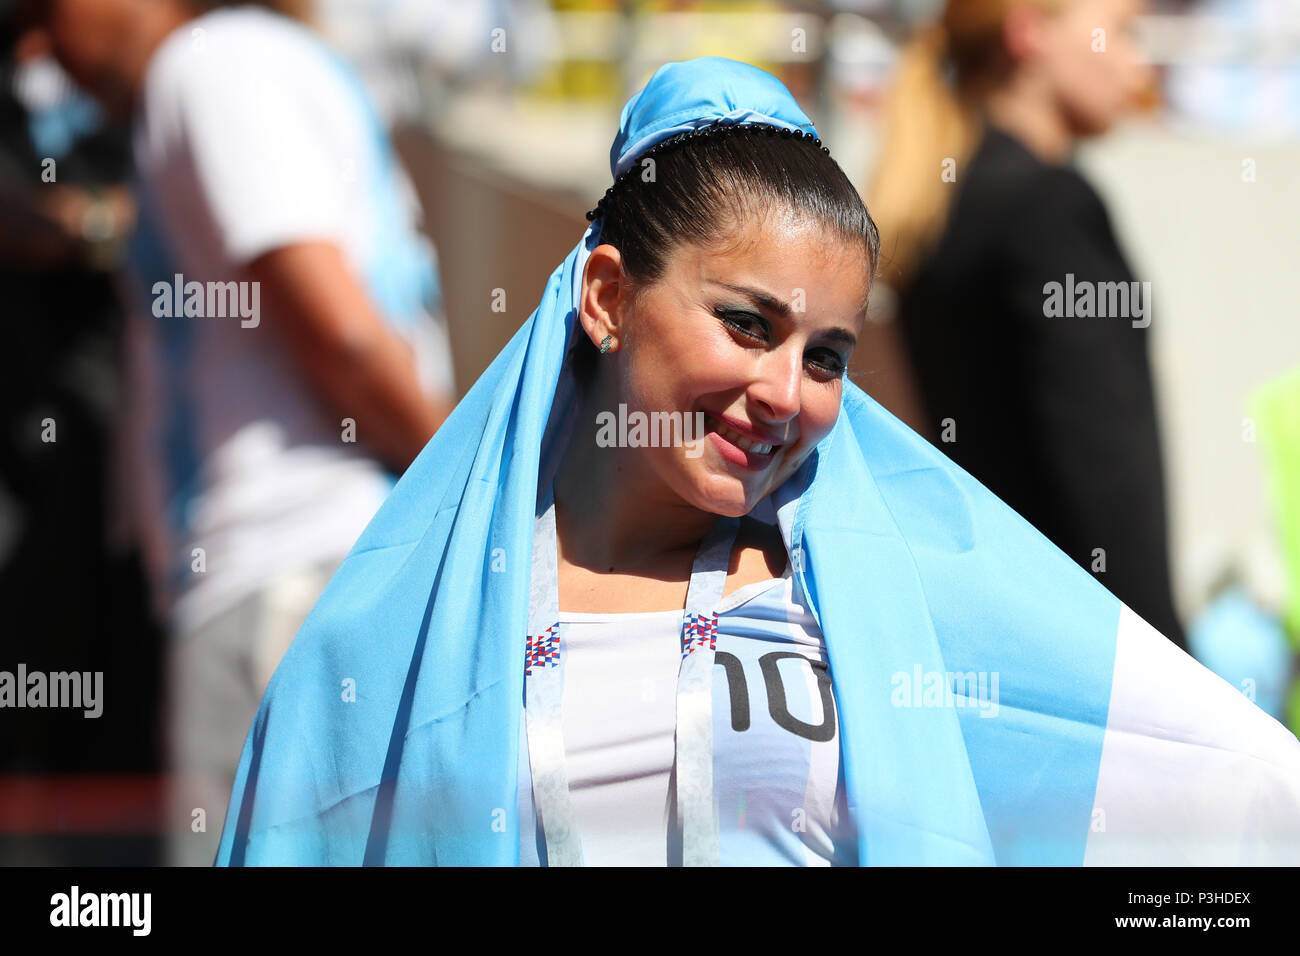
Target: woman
x=965 y=692
x=1051 y=406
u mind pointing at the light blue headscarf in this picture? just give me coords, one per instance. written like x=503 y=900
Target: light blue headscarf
x=390 y=732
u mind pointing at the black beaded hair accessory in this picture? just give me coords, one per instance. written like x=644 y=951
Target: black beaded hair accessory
x=712 y=130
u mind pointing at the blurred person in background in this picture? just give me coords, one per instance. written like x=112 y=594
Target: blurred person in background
x=65 y=214
x=1055 y=412
x=288 y=355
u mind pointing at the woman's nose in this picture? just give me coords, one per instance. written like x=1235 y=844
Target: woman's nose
x=777 y=387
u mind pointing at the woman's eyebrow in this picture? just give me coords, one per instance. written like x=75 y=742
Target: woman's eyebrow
x=758 y=297
x=773 y=304
x=841 y=335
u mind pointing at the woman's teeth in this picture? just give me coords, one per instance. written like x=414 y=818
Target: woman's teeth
x=740 y=441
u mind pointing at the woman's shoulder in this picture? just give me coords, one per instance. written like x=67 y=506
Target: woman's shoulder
x=1007 y=183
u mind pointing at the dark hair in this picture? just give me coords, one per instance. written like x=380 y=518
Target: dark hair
x=705 y=182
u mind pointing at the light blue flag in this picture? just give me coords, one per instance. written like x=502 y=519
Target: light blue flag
x=997 y=704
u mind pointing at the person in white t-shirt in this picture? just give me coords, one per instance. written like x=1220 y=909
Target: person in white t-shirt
x=287 y=353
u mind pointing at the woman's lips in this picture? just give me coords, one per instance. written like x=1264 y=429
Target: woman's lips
x=745 y=458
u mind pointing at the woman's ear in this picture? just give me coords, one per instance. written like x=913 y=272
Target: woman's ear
x=604 y=294
x=1024 y=30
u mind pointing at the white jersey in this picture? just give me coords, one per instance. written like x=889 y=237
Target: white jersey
x=251 y=135
x=778 y=778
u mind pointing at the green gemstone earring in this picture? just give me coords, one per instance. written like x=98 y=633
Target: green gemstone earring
x=605 y=344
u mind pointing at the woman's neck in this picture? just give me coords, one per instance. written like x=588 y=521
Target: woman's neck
x=613 y=512
x=1027 y=113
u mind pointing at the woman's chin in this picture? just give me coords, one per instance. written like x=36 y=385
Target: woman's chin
x=736 y=506
x=737 y=512
x=728 y=506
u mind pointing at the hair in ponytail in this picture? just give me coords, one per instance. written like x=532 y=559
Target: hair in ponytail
x=925 y=123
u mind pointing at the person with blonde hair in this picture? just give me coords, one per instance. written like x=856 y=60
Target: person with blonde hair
x=1026 y=327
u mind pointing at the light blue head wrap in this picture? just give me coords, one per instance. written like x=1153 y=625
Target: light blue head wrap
x=390 y=732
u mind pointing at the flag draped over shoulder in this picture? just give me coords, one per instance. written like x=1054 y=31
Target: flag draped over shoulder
x=997 y=704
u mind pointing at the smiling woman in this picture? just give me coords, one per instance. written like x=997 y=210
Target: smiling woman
x=730 y=284
x=558 y=650
x=716 y=332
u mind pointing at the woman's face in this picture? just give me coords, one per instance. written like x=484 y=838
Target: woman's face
x=1092 y=63
x=755 y=333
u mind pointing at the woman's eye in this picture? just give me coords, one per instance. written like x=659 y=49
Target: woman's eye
x=744 y=322
x=827 y=361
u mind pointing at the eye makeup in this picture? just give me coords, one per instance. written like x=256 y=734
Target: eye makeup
x=743 y=322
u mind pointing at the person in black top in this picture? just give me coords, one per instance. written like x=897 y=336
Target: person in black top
x=1026 y=327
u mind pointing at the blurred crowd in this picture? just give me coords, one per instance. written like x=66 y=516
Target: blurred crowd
x=250 y=255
